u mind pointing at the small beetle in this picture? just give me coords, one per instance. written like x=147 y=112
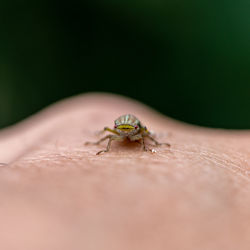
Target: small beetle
x=127 y=126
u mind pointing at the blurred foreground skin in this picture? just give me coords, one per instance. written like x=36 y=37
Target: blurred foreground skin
x=56 y=193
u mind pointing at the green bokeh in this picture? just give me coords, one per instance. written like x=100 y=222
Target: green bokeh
x=188 y=59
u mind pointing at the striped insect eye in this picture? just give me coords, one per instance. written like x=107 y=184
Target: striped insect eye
x=136 y=126
x=115 y=126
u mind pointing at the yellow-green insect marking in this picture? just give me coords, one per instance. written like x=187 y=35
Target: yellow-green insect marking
x=127 y=126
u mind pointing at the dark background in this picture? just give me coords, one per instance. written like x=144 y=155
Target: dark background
x=188 y=59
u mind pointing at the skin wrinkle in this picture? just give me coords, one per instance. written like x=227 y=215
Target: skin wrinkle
x=57 y=194
x=217 y=160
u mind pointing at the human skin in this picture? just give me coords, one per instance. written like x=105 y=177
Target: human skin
x=56 y=193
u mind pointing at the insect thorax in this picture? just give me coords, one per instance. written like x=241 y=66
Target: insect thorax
x=127 y=119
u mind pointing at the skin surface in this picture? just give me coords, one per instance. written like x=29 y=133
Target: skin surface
x=56 y=193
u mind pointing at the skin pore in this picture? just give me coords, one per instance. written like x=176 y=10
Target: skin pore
x=56 y=193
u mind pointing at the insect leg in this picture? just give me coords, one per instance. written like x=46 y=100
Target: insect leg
x=156 y=142
x=111 y=138
x=107 y=129
x=98 y=142
x=110 y=130
x=143 y=144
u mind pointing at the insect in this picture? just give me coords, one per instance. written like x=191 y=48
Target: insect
x=127 y=126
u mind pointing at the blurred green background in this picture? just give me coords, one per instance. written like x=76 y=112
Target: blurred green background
x=188 y=59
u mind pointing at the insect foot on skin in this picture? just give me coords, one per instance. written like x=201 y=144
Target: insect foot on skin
x=127 y=127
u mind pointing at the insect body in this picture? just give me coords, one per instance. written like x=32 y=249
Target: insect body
x=127 y=126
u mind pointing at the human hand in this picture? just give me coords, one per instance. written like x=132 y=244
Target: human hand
x=56 y=193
